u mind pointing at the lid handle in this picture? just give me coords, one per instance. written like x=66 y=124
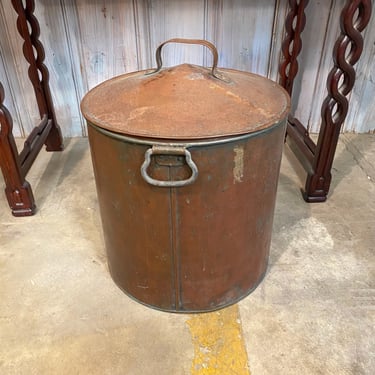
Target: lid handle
x=202 y=42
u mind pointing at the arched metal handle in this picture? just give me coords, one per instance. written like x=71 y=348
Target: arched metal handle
x=202 y=42
x=167 y=150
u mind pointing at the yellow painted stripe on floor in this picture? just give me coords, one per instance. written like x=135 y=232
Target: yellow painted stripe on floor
x=219 y=347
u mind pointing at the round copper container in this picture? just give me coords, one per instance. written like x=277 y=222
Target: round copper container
x=186 y=161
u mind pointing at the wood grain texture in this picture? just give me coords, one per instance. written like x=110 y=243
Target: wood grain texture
x=361 y=117
x=281 y=10
x=10 y=99
x=19 y=93
x=177 y=19
x=310 y=83
x=242 y=33
x=89 y=41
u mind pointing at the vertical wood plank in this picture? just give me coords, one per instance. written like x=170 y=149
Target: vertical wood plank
x=177 y=19
x=6 y=76
x=75 y=57
x=58 y=60
x=142 y=28
x=242 y=32
x=361 y=115
x=20 y=96
x=281 y=9
x=108 y=39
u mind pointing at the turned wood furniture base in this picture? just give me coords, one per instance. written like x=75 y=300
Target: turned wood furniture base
x=14 y=165
x=318 y=158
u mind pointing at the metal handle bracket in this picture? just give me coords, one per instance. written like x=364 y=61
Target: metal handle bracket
x=169 y=150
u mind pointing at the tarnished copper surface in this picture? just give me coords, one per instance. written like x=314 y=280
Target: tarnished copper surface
x=193 y=248
x=186 y=102
x=186 y=167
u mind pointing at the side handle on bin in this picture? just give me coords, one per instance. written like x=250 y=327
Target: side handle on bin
x=169 y=150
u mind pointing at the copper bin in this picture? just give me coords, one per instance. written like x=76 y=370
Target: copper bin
x=186 y=162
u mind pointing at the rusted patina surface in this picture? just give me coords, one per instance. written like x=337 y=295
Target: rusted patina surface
x=186 y=161
x=186 y=102
x=192 y=248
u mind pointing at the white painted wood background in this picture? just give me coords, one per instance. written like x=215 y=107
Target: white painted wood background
x=89 y=41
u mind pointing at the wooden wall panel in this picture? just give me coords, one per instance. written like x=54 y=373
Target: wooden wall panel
x=108 y=39
x=7 y=73
x=76 y=57
x=59 y=61
x=23 y=108
x=177 y=19
x=361 y=117
x=281 y=9
x=89 y=41
x=242 y=33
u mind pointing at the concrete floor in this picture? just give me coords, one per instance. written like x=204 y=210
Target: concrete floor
x=60 y=312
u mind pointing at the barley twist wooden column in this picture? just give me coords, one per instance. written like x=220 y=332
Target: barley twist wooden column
x=318 y=158
x=38 y=73
x=292 y=44
x=347 y=51
x=14 y=165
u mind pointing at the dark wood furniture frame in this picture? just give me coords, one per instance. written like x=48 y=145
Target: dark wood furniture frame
x=14 y=165
x=317 y=157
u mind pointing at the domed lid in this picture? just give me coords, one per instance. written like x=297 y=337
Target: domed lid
x=186 y=102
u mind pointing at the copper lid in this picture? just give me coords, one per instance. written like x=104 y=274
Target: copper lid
x=186 y=102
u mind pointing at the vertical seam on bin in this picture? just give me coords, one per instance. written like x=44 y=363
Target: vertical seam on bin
x=172 y=245
x=178 y=249
x=175 y=250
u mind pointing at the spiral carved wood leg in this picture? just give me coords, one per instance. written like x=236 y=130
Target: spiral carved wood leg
x=17 y=189
x=291 y=47
x=15 y=165
x=38 y=73
x=318 y=158
x=292 y=43
x=347 y=51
